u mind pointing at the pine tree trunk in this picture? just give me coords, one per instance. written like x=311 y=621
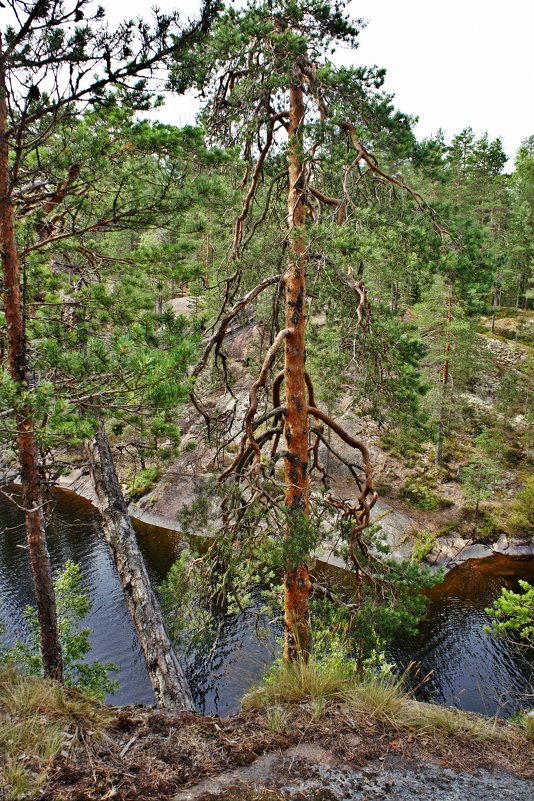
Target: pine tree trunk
x=296 y=581
x=164 y=669
x=32 y=492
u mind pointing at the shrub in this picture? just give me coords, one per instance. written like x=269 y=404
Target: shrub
x=514 y=612
x=423 y=544
x=142 y=482
x=522 y=516
x=73 y=605
x=418 y=491
x=488 y=527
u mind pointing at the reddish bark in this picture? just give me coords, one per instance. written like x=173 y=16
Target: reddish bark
x=296 y=583
x=26 y=440
x=297 y=587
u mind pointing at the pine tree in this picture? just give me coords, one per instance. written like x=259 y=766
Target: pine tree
x=53 y=60
x=275 y=92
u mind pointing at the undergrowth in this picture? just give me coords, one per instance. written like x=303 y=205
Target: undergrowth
x=324 y=686
x=38 y=719
x=419 y=492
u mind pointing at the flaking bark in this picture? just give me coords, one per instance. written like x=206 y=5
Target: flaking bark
x=164 y=669
x=296 y=582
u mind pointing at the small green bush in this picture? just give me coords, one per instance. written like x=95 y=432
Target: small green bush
x=488 y=527
x=142 y=482
x=418 y=491
x=522 y=517
x=514 y=612
x=423 y=544
x=73 y=605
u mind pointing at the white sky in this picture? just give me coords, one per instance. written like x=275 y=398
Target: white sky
x=452 y=63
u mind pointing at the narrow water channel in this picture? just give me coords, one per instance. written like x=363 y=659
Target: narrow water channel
x=468 y=668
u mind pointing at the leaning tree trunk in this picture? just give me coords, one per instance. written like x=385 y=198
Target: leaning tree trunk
x=32 y=491
x=164 y=670
x=296 y=581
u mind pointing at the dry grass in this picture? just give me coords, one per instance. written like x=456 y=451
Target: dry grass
x=321 y=683
x=435 y=719
x=291 y=684
x=526 y=724
x=276 y=719
x=383 y=700
x=38 y=718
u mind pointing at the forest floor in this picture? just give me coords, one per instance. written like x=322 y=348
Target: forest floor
x=341 y=754
x=314 y=735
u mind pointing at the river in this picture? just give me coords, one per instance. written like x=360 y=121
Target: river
x=467 y=667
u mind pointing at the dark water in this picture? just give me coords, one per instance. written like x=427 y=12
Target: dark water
x=219 y=676
x=469 y=668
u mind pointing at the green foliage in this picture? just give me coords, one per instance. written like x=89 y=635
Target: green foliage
x=522 y=517
x=513 y=612
x=423 y=544
x=150 y=212
x=453 y=358
x=181 y=596
x=301 y=540
x=391 y=604
x=233 y=577
x=142 y=482
x=419 y=492
x=73 y=605
x=480 y=478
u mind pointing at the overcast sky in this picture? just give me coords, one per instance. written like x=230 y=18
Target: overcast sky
x=452 y=63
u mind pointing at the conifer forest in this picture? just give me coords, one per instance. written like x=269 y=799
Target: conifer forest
x=266 y=419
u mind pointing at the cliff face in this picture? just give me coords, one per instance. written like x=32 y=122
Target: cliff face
x=422 y=510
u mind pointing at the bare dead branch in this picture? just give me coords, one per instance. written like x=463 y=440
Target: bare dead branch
x=257 y=385
x=225 y=321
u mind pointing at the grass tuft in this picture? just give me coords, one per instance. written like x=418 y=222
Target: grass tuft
x=323 y=682
x=300 y=681
x=525 y=722
x=528 y=726
x=381 y=699
x=276 y=719
x=435 y=718
x=37 y=718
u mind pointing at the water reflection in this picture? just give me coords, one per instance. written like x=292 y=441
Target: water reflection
x=468 y=668
x=219 y=676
